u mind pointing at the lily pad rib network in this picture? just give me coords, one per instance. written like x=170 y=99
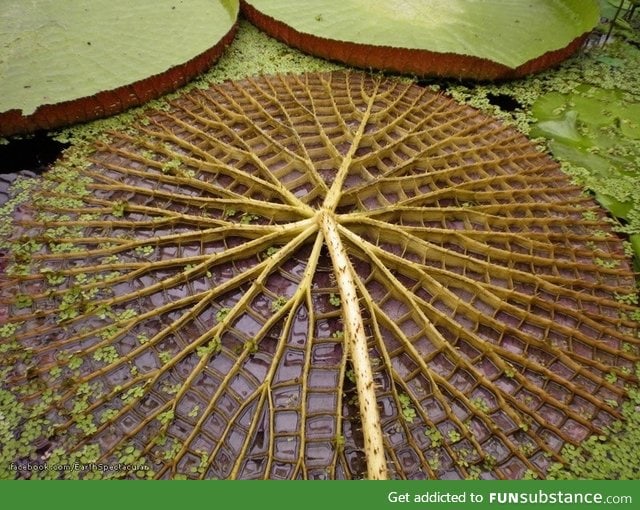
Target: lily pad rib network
x=319 y=276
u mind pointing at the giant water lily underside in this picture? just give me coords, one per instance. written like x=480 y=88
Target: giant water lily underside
x=321 y=276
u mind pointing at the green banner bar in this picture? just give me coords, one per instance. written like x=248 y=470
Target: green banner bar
x=459 y=495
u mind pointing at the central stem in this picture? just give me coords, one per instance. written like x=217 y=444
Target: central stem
x=356 y=342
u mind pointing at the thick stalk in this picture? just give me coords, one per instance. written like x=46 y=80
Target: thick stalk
x=356 y=342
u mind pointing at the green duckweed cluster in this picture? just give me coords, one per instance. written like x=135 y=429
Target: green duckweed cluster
x=20 y=192
x=610 y=456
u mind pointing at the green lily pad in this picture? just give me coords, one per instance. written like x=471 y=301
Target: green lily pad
x=616 y=207
x=485 y=39
x=597 y=130
x=635 y=245
x=64 y=61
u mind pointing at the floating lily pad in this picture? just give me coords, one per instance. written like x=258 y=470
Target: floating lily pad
x=482 y=39
x=63 y=62
x=599 y=130
x=330 y=275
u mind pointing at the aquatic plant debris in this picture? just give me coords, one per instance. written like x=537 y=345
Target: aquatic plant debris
x=170 y=299
x=449 y=38
x=65 y=62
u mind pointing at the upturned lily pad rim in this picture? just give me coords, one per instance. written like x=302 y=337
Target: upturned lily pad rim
x=356 y=47
x=51 y=99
